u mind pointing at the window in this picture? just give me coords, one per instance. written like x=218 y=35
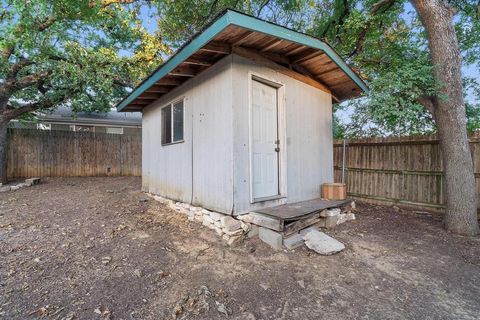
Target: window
x=172 y=123
x=44 y=126
x=114 y=130
x=76 y=127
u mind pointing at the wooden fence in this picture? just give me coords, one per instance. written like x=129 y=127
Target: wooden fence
x=40 y=153
x=405 y=171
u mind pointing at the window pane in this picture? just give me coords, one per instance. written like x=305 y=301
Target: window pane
x=178 y=121
x=114 y=130
x=167 y=125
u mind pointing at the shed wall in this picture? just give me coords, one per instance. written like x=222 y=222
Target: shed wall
x=200 y=169
x=308 y=122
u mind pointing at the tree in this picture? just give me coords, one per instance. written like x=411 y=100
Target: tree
x=448 y=109
x=66 y=52
x=416 y=81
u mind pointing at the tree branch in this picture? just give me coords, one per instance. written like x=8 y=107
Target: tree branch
x=380 y=6
x=12 y=113
x=7 y=52
x=428 y=103
x=15 y=68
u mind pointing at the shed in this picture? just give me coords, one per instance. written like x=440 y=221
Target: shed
x=240 y=118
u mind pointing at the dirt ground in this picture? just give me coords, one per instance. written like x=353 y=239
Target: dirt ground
x=93 y=248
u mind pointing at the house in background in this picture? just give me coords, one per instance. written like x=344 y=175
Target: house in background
x=62 y=118
x=240 y=118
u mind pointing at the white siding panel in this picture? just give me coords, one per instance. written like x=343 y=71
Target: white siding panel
x=309 y=147
x=213 y=141
x=206 y=176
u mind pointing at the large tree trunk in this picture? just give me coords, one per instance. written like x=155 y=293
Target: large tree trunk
x=449 y=114
x=3 y=152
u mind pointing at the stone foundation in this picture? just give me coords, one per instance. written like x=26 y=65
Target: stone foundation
x=234 y=230
x=229 y=229
x=28 y=183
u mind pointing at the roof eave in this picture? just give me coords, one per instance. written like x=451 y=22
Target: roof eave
x=247 y=22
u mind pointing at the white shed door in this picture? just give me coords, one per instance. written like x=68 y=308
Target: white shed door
x=264 y=135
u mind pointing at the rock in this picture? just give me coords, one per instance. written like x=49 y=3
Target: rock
x=207 y=219
x=234 y=240
x=14 y=188
x=396 y=208
x=322 y=243
x=142 y=200
x=138 y=273
x=344 y=217
x=245 y=226
x=223 y=308
x=195 y=209
x=230 y=223
x=233 y=233
x=330 y=212
x=216 y=216
x=106 y=260
x=294 y=241
x=301 y=283
x=206 y=223
x=5 y=189
x=353 y=205
x=248 y=218
x=270 y=237
x=32 y=181
x=226 y=237
x=199 y=217
x=218 y=230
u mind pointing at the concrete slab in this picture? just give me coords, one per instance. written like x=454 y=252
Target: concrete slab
x=322 y=243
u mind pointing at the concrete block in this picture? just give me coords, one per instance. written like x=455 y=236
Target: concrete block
x=264 y=221
x=331 y=222
x=322 y=243
x=270 y=237
x=294 y=241
x=253 y=231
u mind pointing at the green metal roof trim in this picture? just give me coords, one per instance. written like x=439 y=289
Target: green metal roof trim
x=231 y=17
